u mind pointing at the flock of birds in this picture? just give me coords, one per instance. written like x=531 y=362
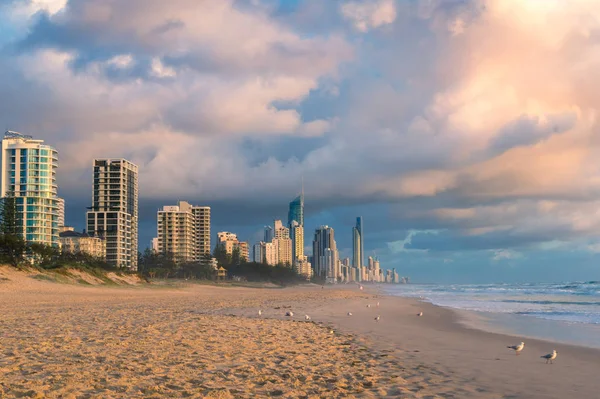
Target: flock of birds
x=549 y=357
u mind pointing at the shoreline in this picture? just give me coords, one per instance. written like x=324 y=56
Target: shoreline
x=472 y=355
x=522 y=325
x=552 y=331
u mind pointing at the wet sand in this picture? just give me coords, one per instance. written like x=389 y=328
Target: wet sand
x=197 y=341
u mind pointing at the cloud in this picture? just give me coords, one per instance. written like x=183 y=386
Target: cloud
x=505 y=254
x=369 y=14
x=405 y=245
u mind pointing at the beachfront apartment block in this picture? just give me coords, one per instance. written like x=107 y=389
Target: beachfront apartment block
x=61 y=212
x=28 y=173
x=114 y=211
x=229 y=242
x=74 y=242
x=176 y=233
x=202 y=221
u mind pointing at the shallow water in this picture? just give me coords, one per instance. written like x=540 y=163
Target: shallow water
x=564 y=312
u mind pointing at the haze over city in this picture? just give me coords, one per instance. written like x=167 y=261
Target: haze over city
x=463 y=132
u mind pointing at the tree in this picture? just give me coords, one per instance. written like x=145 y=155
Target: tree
x=8 y=214
x=235 y=256
x=12 y=249
x=12 y=244
x=45 y=255
x=223 y=258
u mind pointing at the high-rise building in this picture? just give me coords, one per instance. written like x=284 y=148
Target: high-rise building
x=265 y=252
x=258 y=253
x=229 y=242
x=297 y=233
x=296 y=211
x=324 y=240
x=269 y=234
x=244 y=251
x=184 y=232
x=202 y=220
x=61 y=212
x=357 y=244
x=376 y=270
x=28 y=173
x=330 y=262
x=283 y=242
x=176 y=232
x=114 y=211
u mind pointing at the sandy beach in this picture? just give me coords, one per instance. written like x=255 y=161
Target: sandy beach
x=199 y=341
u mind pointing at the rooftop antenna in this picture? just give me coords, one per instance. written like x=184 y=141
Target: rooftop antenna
x=302 y=193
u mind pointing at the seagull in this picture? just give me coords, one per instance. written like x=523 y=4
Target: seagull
x=361 y=287
x=377 y=318
x=420 y=314
x=517 y=348
x=306 y=317
x=369 y=305
x=377 y=304
x=550 y=356
x=259 y=312
x=349 y=313
x=289 y=314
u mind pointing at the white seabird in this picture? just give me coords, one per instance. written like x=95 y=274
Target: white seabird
x=377 y=318
x=369 y=305
x=377 y=304
x=420 y=314
x=349 y=313
x=259 y=312
x=550 y=356
x=306 y=317
x=517 y=348
x=290 y=314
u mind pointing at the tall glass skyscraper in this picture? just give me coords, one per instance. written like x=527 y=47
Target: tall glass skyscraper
x=325 y=254
x=296 y=211
x=28 y=172
x=357 y=243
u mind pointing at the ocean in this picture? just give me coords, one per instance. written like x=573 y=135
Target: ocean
x=562 y=312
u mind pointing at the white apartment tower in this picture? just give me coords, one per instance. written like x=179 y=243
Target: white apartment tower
x=176 y=232
x=183 y=231
x=114 y=211
x=202 y=220
x=28 y=172
x=61 y=212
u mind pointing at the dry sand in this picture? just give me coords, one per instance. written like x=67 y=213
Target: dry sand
x=68 y=341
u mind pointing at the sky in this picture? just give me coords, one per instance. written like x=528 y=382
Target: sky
x=464 y=132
